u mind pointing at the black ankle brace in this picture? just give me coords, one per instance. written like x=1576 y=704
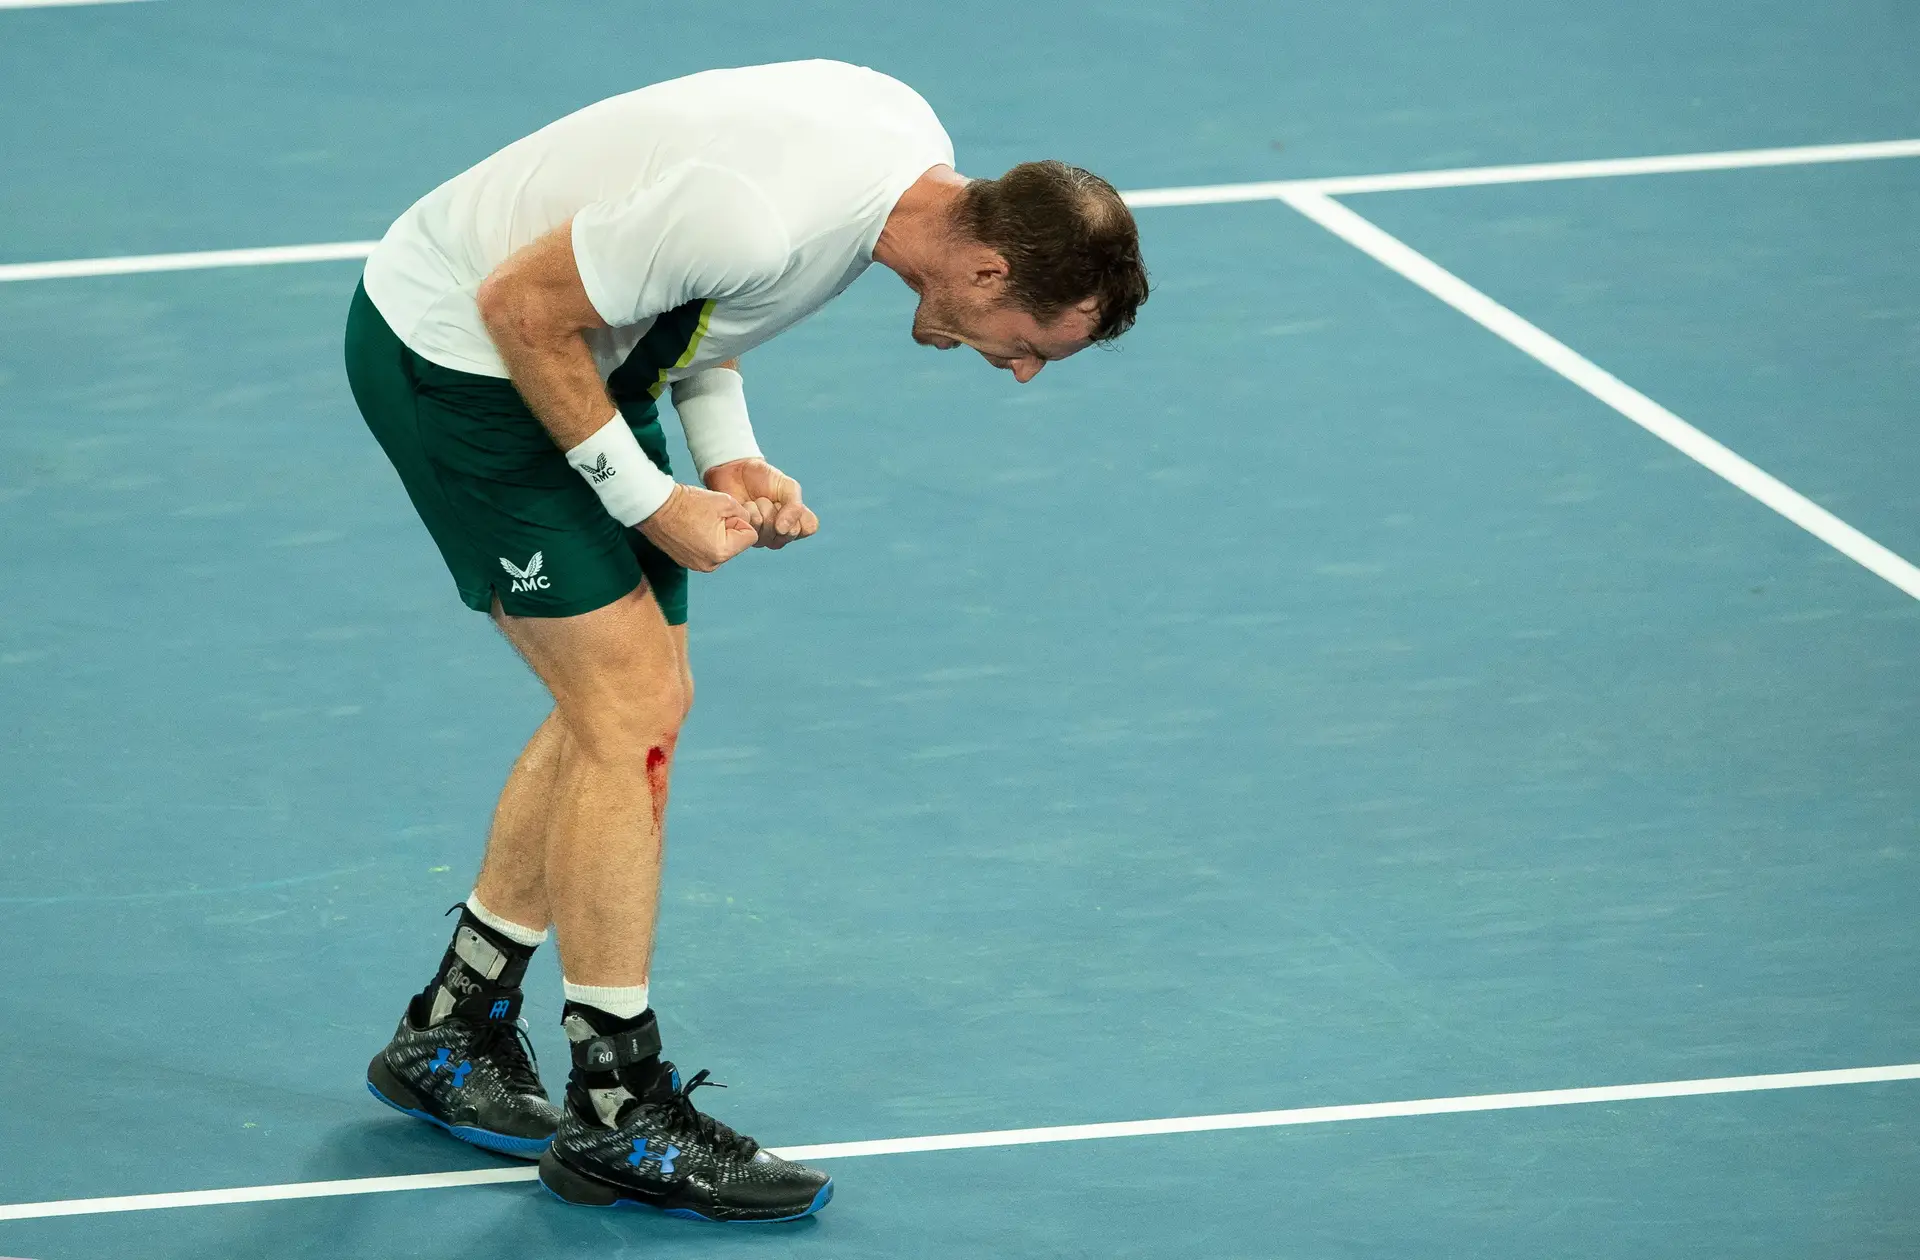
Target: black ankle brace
x=480 y=969
x=610 y=1051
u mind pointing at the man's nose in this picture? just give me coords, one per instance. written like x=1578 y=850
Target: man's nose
x=1025 y=370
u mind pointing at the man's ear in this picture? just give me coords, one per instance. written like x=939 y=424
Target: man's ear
x=989 y=270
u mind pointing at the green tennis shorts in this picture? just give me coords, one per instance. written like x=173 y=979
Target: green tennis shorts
x=512 y=520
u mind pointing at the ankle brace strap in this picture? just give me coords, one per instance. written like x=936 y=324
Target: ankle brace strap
x=609 y=1052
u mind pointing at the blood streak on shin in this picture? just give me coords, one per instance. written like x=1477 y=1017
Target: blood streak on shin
x=657 y=757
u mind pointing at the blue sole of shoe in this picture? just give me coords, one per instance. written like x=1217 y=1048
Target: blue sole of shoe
x=486 y=1139
x=820 y=1200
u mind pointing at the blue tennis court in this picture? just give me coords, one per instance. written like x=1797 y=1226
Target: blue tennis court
x=1336 y=696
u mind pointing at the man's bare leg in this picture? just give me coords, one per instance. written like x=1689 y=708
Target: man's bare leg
x=628 y=1133
x=513 y=874
x=576 y=836
x=589 y=794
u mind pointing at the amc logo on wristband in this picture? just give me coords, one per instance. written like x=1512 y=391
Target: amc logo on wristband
x=529 y=578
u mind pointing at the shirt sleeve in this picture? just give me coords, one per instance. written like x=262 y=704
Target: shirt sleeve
x=698 y=232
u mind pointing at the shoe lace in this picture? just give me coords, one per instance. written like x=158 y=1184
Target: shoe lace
x=507 y=1046
x=680 y=1103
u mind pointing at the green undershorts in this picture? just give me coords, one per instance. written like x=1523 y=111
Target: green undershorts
x=512 y=519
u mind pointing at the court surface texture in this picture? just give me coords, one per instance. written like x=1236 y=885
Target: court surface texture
x=1411 y=754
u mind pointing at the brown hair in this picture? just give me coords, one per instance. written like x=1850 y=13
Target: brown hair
x=1066 y=235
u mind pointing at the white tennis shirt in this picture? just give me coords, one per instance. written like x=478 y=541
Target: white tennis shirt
x=714 y=211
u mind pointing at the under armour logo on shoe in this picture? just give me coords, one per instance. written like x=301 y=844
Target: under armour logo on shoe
x=641 y=1155
x=597 y=471
x=444 y=1058
x=500 y=1009
x=529 y=578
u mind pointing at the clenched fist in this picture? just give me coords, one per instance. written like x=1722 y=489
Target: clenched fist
x=770 y=497
x=700 y=529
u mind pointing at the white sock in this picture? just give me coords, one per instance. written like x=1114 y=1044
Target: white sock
x=624 y=1001
x=518 y=933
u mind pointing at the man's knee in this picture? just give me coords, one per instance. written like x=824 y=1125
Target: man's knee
x=640 y=707
x=618 y=676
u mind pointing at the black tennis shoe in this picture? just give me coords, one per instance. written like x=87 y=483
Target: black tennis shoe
x=472 y=1074
x=630 y=1135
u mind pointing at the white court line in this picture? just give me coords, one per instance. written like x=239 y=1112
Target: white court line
x=1200 y=195
x=137 y=263
x=54 y=4
x=1532 y=173
x=1015 y=1137
x=1394 y=254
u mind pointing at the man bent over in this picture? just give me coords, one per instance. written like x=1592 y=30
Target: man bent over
x=509 y=345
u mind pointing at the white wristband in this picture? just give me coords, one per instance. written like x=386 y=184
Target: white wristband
x=629 y=485
x=713 y=412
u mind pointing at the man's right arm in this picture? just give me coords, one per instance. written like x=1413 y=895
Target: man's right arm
x=536 y=309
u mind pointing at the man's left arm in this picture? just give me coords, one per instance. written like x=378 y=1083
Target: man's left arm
x=712 y=405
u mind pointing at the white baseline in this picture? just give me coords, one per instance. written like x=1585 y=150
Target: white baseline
x=1014 y=1137
x=1528 y=173
x=1199 y=195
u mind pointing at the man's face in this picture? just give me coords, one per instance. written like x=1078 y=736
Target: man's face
x=976 y=313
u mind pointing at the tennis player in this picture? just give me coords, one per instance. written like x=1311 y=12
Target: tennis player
x=509 y=344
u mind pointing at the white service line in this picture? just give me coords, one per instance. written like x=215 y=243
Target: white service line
x=1397 y=256
x=1198 y=195
x=1017 y=1137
